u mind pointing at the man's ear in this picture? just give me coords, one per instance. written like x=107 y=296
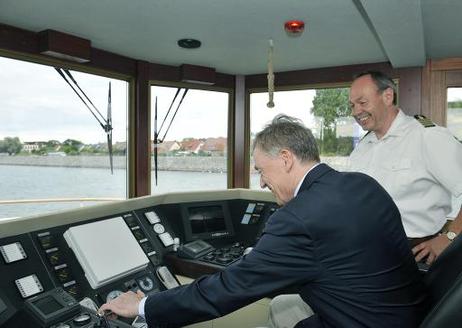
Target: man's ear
x=387 y=95
x=288 y=157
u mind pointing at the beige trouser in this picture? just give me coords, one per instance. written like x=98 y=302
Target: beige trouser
x=287 y=310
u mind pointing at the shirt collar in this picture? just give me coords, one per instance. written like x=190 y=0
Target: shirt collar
x=303 y=179
x=397 y=128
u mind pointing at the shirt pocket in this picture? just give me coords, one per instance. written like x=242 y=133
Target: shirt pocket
x=398 y=176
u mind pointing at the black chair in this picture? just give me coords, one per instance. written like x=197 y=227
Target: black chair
x=444 y=282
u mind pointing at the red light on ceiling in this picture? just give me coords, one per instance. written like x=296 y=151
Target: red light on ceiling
x=294 y=27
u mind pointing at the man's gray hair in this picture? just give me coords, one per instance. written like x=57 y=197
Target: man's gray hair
x=382 y=81
x=285 y=132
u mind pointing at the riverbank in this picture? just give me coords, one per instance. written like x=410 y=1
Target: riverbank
x=186 y=163
x=165 y=163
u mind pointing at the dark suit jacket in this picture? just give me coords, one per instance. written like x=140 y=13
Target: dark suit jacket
x=340 y=242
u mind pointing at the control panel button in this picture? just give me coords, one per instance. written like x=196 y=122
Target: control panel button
x=147 y=247
x=152 y=217
x=63 y=274
x=131 y=221
x=250 y=208
x=73 y=290
x=166 y=239
x=55 y=258
x=259 y=208
x=158 y=228
x=13 y=252
x=46 y=240
x=139 y=234
x=29 y=285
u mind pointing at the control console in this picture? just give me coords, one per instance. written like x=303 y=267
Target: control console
x=57 y=275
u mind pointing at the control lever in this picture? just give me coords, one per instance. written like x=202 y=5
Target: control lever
x=166 y=277
x=102 y=320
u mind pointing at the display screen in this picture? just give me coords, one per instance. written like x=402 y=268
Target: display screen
x=48 y=305
x=207 y=221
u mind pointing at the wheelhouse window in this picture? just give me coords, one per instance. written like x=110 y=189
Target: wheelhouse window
x=454 y=124
x=324 y=111
x=454 y=113
x=189 y=139
x=54 y=152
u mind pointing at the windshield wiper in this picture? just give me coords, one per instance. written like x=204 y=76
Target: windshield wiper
x=106 y=123
x=157 y=140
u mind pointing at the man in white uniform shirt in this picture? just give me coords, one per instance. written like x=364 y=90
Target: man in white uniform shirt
x=418 y=163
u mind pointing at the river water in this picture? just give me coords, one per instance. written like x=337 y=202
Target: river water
x=37 y=182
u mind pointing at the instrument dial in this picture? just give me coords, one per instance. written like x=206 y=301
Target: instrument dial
x=159 y=228
x=113 y=295
x=146 y=283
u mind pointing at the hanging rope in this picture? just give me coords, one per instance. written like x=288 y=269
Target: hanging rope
x=270 y=103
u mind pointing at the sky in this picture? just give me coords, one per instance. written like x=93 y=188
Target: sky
x=36 y=104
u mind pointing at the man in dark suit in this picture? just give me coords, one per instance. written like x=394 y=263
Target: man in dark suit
x=338 y=239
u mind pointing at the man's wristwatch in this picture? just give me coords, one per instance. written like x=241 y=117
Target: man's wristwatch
x=451 y=235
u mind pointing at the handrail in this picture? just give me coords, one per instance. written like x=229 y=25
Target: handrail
x=59 y=200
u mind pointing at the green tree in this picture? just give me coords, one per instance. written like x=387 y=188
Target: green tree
x=10 y=145
x=455 y=104
x=330 y=104
x=72 y=147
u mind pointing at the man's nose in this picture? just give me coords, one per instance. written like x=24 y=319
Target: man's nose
x=354 y=110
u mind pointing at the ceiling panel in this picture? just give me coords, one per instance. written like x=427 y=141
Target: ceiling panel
x=235 y=34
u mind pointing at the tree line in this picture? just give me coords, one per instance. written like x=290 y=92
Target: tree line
x=13 y=146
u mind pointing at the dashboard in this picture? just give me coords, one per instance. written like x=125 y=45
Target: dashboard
x=57 y=269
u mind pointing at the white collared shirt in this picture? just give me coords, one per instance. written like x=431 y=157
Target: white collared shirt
x=419 y=167
x=141 y=312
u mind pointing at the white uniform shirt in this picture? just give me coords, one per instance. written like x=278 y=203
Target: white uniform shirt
x=419 y=166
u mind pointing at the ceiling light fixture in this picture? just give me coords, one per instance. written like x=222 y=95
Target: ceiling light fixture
x=189 y=43
x=294 y=27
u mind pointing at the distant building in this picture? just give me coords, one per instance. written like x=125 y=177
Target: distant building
x=192 y=146
x=166 y=147
x=215 y=146
x=30 y=146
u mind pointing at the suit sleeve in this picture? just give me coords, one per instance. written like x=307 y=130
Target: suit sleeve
x=283 y=257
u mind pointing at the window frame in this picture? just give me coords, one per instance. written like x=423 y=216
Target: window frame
x=82 y=68
x=230 y=125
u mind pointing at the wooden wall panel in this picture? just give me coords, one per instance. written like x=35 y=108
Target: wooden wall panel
x=437 y=76
x=410 y=90
x=142 y=128
x=16 y=39
x=240 y=166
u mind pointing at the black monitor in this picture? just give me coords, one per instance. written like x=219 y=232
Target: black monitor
x=206 y=221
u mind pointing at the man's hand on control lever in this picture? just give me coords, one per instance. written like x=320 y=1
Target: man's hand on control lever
x=126 y=305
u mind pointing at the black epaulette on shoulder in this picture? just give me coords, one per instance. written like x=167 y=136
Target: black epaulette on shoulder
x=426 y=122
x=364 y=136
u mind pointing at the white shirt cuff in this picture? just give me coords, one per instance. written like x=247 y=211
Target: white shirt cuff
x=141 y=307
